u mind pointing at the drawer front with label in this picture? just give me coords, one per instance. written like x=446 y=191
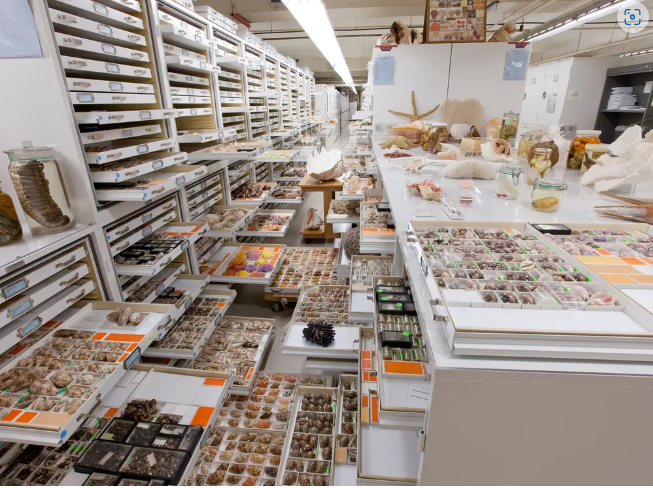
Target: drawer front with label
x=89 y=98
x=198 y=92
x=180 y=51
x=192 y=112
x=115 y=134
x=129 y=240
x=98 y=31
x=139 y=219
x=190 y=100
x=124 y=116
x=109 y=155
x=86 y=84
x=100 y=13
x=101 y=67
x=102 y=48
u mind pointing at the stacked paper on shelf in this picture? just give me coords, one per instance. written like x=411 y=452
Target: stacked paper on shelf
x=622 y=98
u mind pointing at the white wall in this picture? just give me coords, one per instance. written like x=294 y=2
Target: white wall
x=437 y=72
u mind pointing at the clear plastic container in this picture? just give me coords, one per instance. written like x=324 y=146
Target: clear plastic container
x=539 y=164
x=509 y=123
x=36 y=177
x=510 y=181
x=466 y=193
x=525 y=145
x=10 y=229
x=576 y=154
x=547 y=194
x=592 y=153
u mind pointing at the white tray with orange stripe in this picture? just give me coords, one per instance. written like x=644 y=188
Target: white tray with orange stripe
x=81 y=347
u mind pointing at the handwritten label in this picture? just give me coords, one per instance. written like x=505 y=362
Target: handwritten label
x=151 y=460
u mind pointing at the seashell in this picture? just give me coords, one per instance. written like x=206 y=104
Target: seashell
x=547 y=202
x=601 y=299
x=527 y=265
x=135 y=318
x=581 y=292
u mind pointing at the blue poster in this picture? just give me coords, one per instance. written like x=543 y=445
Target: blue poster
x=384 y=70
x=516 y=65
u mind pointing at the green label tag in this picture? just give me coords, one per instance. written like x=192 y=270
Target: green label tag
x=406 y=333
x=383 y=299
x=380 y=290
x=398 y=305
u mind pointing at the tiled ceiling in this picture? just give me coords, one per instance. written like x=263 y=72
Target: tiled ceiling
x=359 y=24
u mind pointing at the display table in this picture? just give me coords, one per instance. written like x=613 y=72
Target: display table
x=533 y=421
x=328 y=190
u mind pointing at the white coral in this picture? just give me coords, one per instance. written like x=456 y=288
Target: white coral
x=471 y=168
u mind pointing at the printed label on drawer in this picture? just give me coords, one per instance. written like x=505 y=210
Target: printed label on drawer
x=29 y=327
x=85 y=97
x=205 y=195
x=126 y=132
x=145 y=115
x=193 y=111
x=115 y=87
x=184 y=245
x=142 y=149
x=198 y=38
x=147 y=216
x=100 y=9
x=147 y=230
x=188 y=302
x=185 y=52
x=191 y=99
x=202 y=65
x=105 y=29
x=157 y=164
x=112 y=68
x=109 y=49
x=160 y=289
x=181 y=180
x=132 y=358
x=20 y=308
x=207 y=205
x=189 y=78
x=191 y=91
x=13 y=289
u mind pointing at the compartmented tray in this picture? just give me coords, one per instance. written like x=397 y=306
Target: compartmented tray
x=351 y=216
x=187 y=337
x=258 y=200
x=258 y=268
x=148 y=292
x=268 y=223
x=278 y=195
x=277 y=155
x=226 y=220
x=363 y=270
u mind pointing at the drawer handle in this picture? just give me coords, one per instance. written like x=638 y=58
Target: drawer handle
x=166 y=144
x=78 y=297
x=160 y=190
x=152 y=129
x=81 y=84
x=68 y=18
x=114 y=155
x=142 y=88
x=166 y=207
x=166 y=17
x=129 y=18
x=118 y=98
x=172 y=114
x=202 y=232
x=72 y=40
x=167 y=219
x=123 y=247
x=182 y=32
x=71 y=280
x=200 y=173
x=116 y=117
x=134 y=36
x=132 y=173
x=122 y=231
x=96 y=137
x=188 y=61
x=77 y=63
x=140 y=71
x=180 y=158
x=137 y=55
x=72 y=259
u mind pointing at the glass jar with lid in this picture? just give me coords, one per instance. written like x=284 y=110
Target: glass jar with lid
x=36 y=177
x=547 y=194
x=539 y=164
x=509 y=123
x=592 y=153
x=576 y=154
x=10 y=229
x=525 y=145
x=510 y=181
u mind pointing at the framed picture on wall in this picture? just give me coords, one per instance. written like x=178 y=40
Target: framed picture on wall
x=455 y=21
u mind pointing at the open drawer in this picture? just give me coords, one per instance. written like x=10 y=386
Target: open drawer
x=148 y=291
x=86 y=359
x=203 y=207
x=186 y=338
x=132 y=168
x=149 y=186
x=248 y=263
x=175 y=236
x=139 y=218
x=116 y=134
x=87 y=84
x=92 y=29
x=220 y=216
x=110 y=154
x=361 y=297
x=181 y=294
x=291 y=195
x=199 y=198
x=268 y=223
x=124 y=117
x=135 y=236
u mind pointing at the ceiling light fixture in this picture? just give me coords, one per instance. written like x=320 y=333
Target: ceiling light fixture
x=577 y=20
x=637 y=53
x=312 y=17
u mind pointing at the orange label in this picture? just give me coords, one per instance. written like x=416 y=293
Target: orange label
x=202 y=416
x=365 y=401
x=617 y=279
x=603 y=252
x=131 y=348
x=12 y=415
x=125 y=337
x=644 y=279
x=403 y=367
x=214 y=381
x=111 y=412
x=647 y=260
x=99 y=336
x=366 y=364
x=634 y=261
x=366 y=354
x=26 y=417
x=375 y=409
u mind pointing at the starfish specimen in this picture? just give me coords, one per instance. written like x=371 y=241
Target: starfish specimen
x=415 y=115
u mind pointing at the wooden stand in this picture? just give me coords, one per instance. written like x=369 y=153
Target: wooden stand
x=328 y=190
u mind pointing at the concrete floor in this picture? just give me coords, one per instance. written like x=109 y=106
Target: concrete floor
x=249 y=301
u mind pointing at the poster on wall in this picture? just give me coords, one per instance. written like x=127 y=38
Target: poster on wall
x=455 y=21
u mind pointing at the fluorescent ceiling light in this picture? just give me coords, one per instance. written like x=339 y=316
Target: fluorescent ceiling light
x=312 y=17
x=580 y=19
x=637 y=53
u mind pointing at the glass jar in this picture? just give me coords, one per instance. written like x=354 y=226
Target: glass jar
x=576 y=154
x=509 y=124
x=438 y=134
x=41 y=193
x=466 y=193
x=10 y=229
x=539 y=164
x=547 y=194
x=510 y=181
x=525 y=145
x=592 y=153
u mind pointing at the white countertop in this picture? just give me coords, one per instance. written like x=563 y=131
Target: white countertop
x=576 y=206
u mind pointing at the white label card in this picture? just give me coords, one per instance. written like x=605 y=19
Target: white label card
x=418 y=392
x=107 y=456
x=151 y=460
